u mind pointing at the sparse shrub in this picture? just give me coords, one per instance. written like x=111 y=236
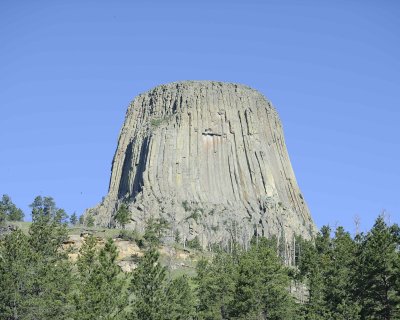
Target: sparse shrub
x=177 y=236
x=214 y=228
x=156 y=122
x=195 y=215
x=126 y=235
x=186 y=206
x=132 y=235
x=194 y=243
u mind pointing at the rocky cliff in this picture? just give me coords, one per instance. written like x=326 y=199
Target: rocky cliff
x=210 y=158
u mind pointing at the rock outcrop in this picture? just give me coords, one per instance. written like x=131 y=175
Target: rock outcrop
x=209 y=158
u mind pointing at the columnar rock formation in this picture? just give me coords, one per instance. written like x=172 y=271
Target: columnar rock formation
x=210 y=158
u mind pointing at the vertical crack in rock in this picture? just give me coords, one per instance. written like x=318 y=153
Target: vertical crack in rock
x=216 y=147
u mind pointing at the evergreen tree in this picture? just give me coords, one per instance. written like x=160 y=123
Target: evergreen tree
x=47 y=224
x=101 y=292
x=180 y=300
x=9 y=211
x=215 y=286
x=154 y=231
x=89 y=221
x=50 y=270
x=87 y=256
x=43 y=207
x=3 y=216
x=81 y=220
x=15 y=258
x=123 y=216
x=338 y=278
x=261 y=290
x=377 y=275
x=73 y=219
x=315 y=259
x=148 y=288
x=16 y=215
x=35 y=274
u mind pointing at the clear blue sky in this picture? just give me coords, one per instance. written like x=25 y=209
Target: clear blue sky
x=68 y=70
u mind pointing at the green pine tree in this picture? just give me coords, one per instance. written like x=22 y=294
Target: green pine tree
x=47 y=224
x=73 y=219
x=215 y=286
x=315 y=259
x=89 y=221
x=35 y=274
x=9 y=211
x=100 y=292
x=3 y=216
x=377 y=274
x=261 y=290
x=338 y=278
x=123 y=216
x=148 y=288
x=180 y=300
x=154 y=231
x=15 y=282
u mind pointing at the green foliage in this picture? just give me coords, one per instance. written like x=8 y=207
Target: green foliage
x=155 y=230
x=195 y=214
x=73 y=219
x=346 y=278
x=133 y=236
x=261 y=286
x=315 y=259
x=147 y=288
x=15 y=256
x=35 y=275
x=338 y=277
x=156 y=122
x=194 y=243
x=215 y=286
x=100 y=292
x=81 y=220
x=353 y=278
x=48 y=224
x=123 y=216
x=177 y=236
x=3 y=216
x=9 y=211
x=186 y=206
x=377 y=275
x=180 y=299
x=89 y=221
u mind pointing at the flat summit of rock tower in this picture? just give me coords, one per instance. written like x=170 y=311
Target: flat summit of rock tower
x=209 y=158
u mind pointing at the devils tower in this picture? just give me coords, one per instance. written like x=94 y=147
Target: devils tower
x=210 y=159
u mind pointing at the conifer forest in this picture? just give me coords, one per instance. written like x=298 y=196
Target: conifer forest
x=333 y=276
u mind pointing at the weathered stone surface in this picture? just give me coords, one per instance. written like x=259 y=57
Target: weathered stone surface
x=211 y=159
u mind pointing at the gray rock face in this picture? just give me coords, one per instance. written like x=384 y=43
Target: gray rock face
x=210 y=158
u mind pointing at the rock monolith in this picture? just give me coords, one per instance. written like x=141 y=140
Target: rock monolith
x=209 y=158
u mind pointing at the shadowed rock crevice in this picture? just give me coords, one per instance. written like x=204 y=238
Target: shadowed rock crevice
x=218 y=148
